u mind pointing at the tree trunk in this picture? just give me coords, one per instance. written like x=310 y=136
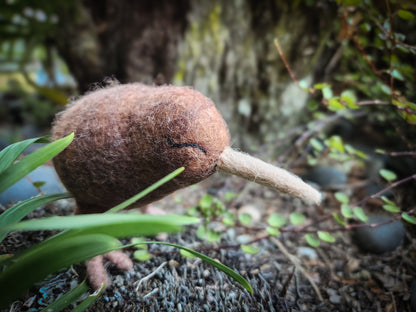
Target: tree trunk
x=224 y=48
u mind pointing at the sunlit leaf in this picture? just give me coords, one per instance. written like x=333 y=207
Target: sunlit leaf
x=296 y=218
x=325 y=236
x=312 y=240
x=228 y=219
x=359 y=213
x=346 y=211
x=272 y=231
x=391 y=208
x=342 y=197
x=276 y=220
x=338 y=218
x=388 y=174
x=244 y=218
x=409 y=218
x=335 y=142
x=142 y=255
x=250 y=249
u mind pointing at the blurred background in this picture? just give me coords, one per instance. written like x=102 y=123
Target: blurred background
x=306 y=82
x=325 y=88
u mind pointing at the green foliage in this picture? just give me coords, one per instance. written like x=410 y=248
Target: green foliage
x=276 y=220
x=312 y=240
x=83 y=236
x=296 y=218
x=409 y=218
x=11 y=173
x=388 y=174
x=325 y=236
x=250 y=249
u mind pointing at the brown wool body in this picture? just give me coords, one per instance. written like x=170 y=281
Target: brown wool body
x=129 y=136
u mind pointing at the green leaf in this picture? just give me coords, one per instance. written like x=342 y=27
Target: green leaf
x=335 y=142
x=312 y=240
x=335 y=105
x=396 y=74
x=87 y=302
x=408 y=218
x=342 y=197
x=17 y=212
x=406 y=15
x=229 y=196
x=237 y=277
x=349 y=97
x=276 y=220
x=244 y=218
x=38 y=184
x=116 y=225
x=391 y=208
x=272 y=231
x=250 y=249
x=385 y=89
x=326 y=237
x=359 y=213
x=21 y=168
x=146 y=191
x=68 y=298
x=296 y=218
x=320 y=86
x=338 y=218
x=228 y=219
x=10 y=153
x=317 y=145
x=327 y=92
x=388 y=175
x=142 y=255
x=37 y=262
x=206 y=202
x=386 y=200
x=346 y=211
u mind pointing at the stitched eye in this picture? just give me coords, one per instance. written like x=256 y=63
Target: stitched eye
x=176 y=145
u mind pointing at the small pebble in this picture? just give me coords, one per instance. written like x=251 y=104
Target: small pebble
x=381 y=239
x=327 y=177
x=307 y=252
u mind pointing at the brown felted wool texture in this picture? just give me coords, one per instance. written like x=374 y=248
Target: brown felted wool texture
x=129 y=136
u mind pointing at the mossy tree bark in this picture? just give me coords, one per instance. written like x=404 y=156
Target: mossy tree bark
x=223 y=48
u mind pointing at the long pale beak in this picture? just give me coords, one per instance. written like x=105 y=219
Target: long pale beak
x=256 y=170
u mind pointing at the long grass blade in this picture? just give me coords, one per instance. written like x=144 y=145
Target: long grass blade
x=9 y=154
x=116 y=225
x=21 y=168
x=237 y=277
x=17 y=212
x=146 y=191
x=67 y=299
x=41 y=260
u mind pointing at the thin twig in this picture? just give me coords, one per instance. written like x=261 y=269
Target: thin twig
x=298 y=266
x=147 y=277
x=283 y=57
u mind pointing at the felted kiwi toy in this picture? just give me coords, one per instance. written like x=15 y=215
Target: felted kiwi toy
x=129 y=136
